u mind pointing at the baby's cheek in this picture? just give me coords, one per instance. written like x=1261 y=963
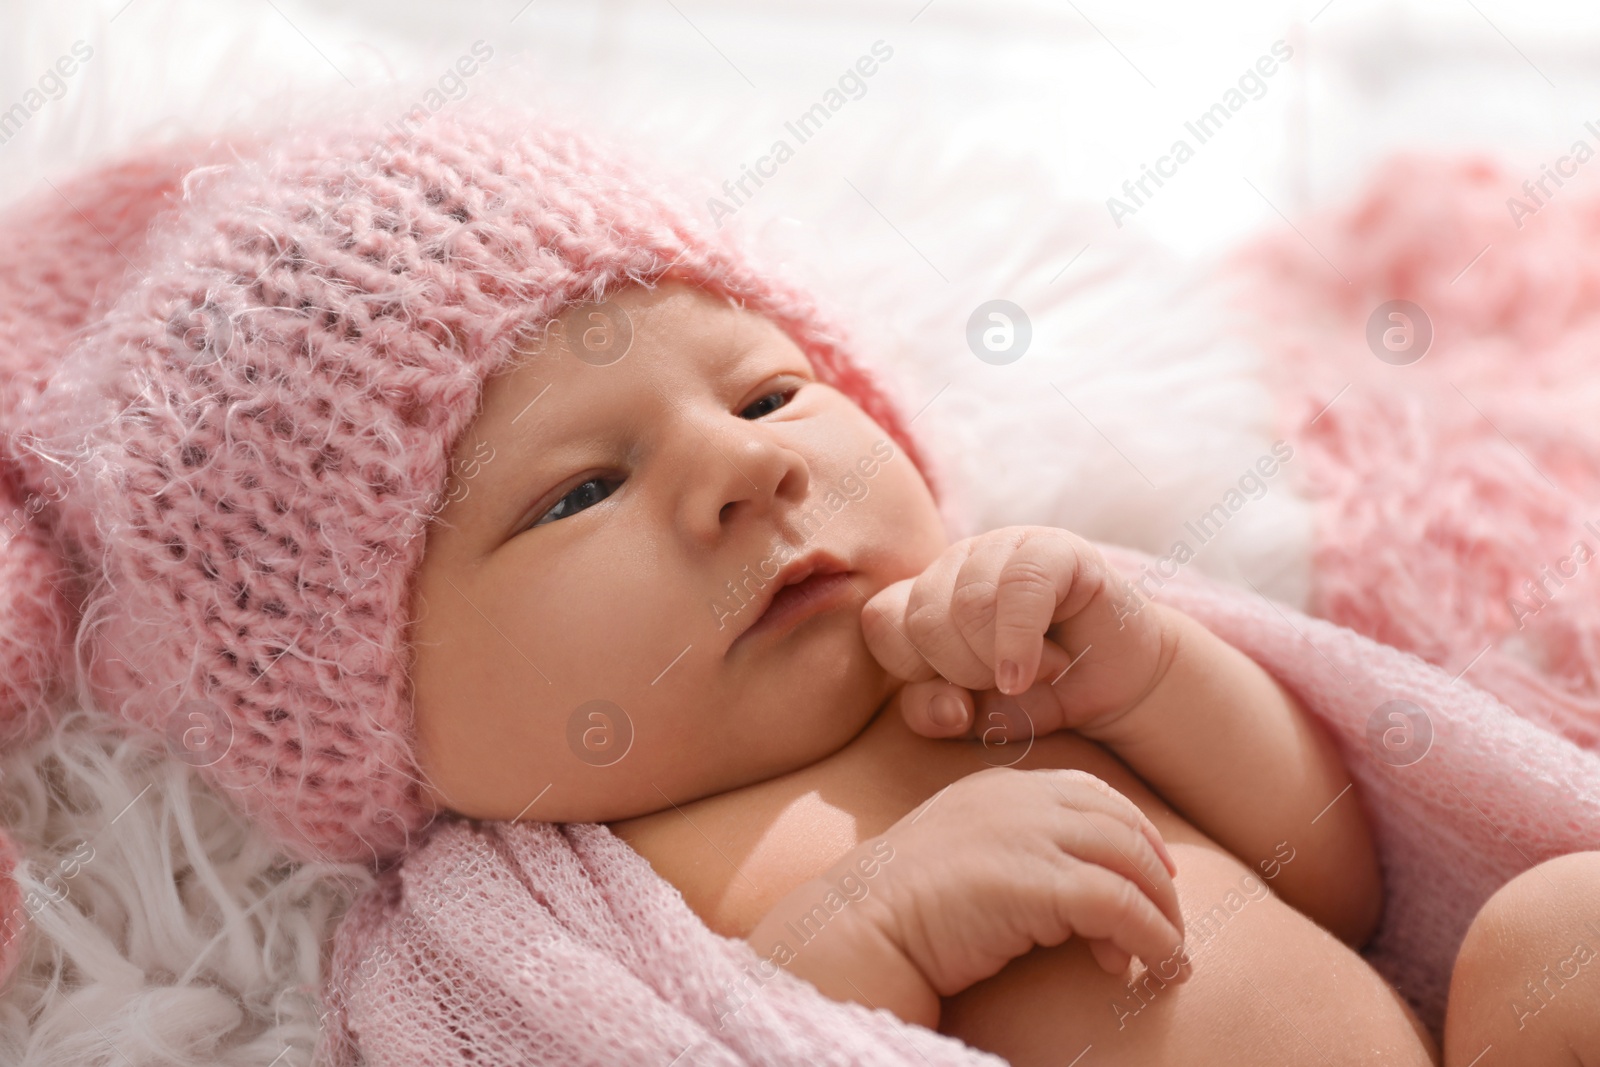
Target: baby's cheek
x=892 y=517
x=899 y=522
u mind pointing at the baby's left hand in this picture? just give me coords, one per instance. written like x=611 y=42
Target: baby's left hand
x=1031 y=612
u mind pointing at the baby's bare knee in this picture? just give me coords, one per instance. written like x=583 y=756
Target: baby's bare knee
x=1526 y=985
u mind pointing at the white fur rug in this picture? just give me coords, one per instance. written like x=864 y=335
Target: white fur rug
x=179 y=937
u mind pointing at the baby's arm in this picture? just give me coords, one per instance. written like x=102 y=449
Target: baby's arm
x=1199 y=720
x=1220 y=740
x=981 y=872
x=851 y=957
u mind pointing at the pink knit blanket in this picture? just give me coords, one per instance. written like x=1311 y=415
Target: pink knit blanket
x=517 y=943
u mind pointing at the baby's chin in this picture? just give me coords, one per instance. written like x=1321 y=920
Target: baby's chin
x=792 y=703
x=840 y=717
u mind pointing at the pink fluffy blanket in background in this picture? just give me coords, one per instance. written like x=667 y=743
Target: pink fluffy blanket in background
x=1458 y=496
x=1450 y=489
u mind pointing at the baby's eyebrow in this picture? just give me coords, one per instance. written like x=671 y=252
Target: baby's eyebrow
x=722 y=362
x=540 y=443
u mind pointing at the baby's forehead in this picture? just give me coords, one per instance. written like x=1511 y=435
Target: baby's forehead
x=598 y=332
x=669 y=321
x=668 y=306
x=704 y=335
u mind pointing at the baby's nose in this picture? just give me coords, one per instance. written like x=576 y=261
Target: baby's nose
x=739 y=471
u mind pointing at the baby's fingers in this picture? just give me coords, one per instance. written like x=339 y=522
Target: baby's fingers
x=1029 y=592
x=1110 y=957
x=1124 y=850
x=936 y=708
x=1090 y=793
x=1100 y=904
x=883 y=627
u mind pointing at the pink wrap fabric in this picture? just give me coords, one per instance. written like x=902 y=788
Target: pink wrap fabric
x=532 y=943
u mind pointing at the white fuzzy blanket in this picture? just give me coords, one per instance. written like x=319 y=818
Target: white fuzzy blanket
x=183 y=938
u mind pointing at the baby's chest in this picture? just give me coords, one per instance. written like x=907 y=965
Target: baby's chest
x=735 y=855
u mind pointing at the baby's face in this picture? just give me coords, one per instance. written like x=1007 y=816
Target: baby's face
x=583 y=602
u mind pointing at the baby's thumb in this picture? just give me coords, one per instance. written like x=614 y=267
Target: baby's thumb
x=883 y=629
x=936 y=708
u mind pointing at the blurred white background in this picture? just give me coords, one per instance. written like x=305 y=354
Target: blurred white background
x=1069 y=99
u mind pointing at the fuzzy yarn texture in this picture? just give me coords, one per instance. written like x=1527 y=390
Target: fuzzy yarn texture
x=162 y=929
x=517 y=943
x=1458 y=496
x=54 y=261
x=251 y=429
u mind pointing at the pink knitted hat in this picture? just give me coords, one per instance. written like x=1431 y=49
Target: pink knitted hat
x=54 y=258
x=244 y=436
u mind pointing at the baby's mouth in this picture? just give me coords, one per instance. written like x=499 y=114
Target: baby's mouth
x=810 y=585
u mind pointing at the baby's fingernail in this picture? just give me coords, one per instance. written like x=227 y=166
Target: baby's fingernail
x=1010 y=679
x=1166 y=856
x=947 y=711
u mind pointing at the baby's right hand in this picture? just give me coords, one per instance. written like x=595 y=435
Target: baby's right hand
x=1005 y=859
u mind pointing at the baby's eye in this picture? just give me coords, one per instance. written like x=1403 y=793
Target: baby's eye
x=582 y=496
x=784 y=396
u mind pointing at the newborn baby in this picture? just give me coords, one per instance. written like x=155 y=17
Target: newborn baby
x=985 y=786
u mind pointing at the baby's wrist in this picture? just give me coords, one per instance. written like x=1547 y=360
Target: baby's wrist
x=850 y=955
x=1130 y=722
